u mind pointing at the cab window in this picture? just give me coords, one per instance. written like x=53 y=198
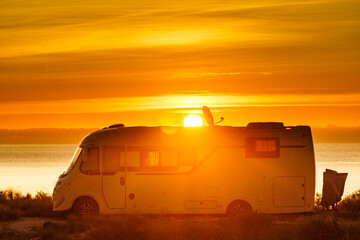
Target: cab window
x=90 y=164
x=77 y=156
x=113 y=159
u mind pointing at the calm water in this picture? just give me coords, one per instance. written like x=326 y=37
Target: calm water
x=30 y=168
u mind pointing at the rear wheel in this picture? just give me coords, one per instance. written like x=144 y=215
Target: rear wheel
x=86 y=207
x=238 y=208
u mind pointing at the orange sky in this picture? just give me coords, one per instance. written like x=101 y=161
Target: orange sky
x=91 y=64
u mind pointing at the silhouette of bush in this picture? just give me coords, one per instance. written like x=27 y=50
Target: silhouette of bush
x=7 y=213
x=322 y=225
x=40 y=206
x=351 y=202
x=14 y=205
x=318 y=207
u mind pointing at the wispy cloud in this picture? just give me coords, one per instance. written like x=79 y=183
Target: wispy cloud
x=214 y=74
x=192 y=102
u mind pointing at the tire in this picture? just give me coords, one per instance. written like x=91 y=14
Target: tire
x=85 y=207
x=238 y=208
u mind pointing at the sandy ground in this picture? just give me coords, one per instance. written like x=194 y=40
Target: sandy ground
x=27 y=224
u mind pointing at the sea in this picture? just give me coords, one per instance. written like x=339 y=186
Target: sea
x=34 y=168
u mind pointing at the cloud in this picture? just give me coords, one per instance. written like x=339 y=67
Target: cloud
x=172 y=102
x=214 y=74
x=158 y=70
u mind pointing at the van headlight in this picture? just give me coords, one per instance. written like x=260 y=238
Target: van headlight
x=57 y=187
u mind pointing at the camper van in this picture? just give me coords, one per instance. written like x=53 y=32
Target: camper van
x=263 y=168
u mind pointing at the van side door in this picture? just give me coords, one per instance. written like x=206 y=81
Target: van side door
x=113 y=176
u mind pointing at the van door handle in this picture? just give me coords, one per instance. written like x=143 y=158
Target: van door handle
x=122 y=180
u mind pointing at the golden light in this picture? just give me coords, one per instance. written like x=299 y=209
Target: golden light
x=193 y=121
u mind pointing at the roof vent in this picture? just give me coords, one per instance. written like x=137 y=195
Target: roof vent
x=119 y=125
x=265 y=125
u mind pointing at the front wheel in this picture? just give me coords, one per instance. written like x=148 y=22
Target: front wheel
x=85 y=207
x=238 y=208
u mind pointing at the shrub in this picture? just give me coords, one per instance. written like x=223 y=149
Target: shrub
x=14 y=205
x=318 y=207
x=351 y=202
x=40 y=206
x=321 y=226
x=9 y=214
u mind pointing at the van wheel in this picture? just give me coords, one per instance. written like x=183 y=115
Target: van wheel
x=85 y=207
x=238 y=208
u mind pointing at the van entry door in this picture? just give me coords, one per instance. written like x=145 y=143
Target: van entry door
x=113 y=176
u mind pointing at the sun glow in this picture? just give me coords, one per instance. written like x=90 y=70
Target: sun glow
x=193 y=121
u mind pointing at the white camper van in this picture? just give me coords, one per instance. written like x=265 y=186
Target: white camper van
x=264 y=168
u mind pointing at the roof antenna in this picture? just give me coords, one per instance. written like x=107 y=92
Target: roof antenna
x=209 y=117
x=221 y=119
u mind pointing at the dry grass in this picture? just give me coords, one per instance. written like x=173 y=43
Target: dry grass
x=14 y=205
x=321 y=225
x=318 y=227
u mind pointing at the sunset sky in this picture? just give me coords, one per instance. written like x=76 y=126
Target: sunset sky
x=76 y=64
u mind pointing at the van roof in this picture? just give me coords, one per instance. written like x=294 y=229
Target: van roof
x=165 y=135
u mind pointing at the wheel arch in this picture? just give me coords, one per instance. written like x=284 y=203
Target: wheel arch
x=99 y=201
x=242 y=197
x=84 y=197
x=239 y=201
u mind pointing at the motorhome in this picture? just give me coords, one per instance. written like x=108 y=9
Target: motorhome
x=263 y=168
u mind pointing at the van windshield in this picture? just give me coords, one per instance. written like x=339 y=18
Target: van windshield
x=73 y=161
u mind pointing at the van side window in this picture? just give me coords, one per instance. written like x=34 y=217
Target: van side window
x=147 y=158
x=90 y=164
x=262 y=148
x=113 y=159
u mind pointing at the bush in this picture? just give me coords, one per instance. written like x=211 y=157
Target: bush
x=8 y=214
x=321 y=226
x=14 y=205
x=351 y=202
x=40 y=206
x=318 y=207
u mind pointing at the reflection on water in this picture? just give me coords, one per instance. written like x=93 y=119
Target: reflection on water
x=31 y=168
x=341 y=157
x=353 y=179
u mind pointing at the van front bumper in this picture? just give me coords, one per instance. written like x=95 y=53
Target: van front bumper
x=61 y=198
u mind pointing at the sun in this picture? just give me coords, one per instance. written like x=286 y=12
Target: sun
x=193 y=121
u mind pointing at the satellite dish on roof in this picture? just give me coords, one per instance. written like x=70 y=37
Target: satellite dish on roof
x=208 y=116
